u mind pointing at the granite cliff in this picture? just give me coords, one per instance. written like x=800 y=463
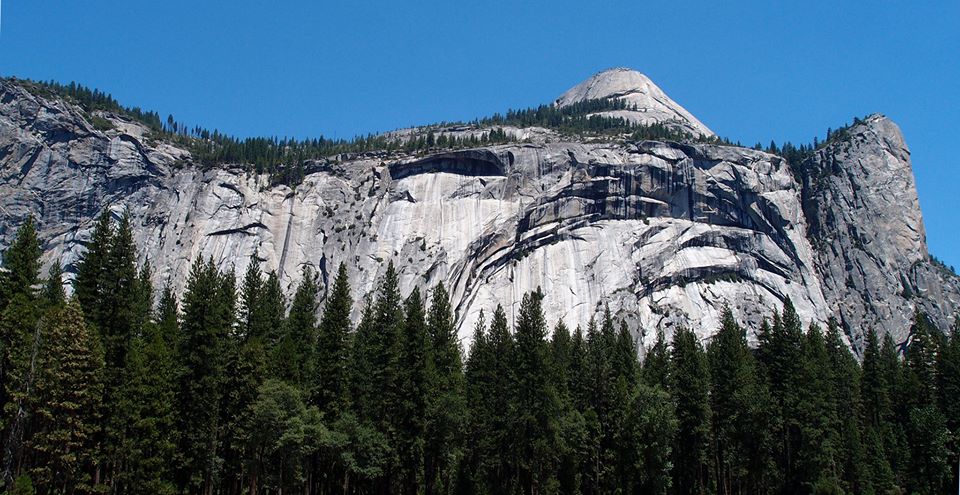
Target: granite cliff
x=666 y=233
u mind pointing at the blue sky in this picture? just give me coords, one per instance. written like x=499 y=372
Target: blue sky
x=753 y=71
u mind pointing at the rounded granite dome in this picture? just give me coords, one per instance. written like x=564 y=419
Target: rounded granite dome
x=653 y=106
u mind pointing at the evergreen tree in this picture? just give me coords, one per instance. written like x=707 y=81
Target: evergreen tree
x=446 y=399
x=490 y=382
x=927 y=433
x=414 y=353
x=817 y=466
x=330 y=375
x=573 y=432
x=89 y=284
x=896 y=443
x=207 y=311
x=690 y=387
x=536 y=406
x=740 y=425
x=118 y=297
x=948 y=389
x=69 y=388
x=845 y=377
x=149 y=414
x=878 y=434
x=780 y=356
x=656 y=363
x=296 y=355
x=168 y=325
x=374 y=368
x=53 y=293
x=21 y=265
x=19 y=314
x=251 y=289
x=477 y=374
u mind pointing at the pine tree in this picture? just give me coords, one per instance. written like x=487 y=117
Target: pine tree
x=536 y=406
x=149 y=395
x=446 y=399
x=118 y=296
x=296 y=355
x=896 y=443
x=878 y=417
x=624 y=373
x=598 y=416
x=332 y=352
x=21 y=265
x=414 y=353
x=374 y=367
x=250 y=294
x=206 y=321
x=948 y=389
x=477 y=375
x=740 y=425
x=500 y=394
x=573 y=433
x=845 y=377
x=656 y=364
x=927 y=433
x=19 y=314
x=53 y=293
x=780 y=356
x=690 y=387
x=272 y=309
x=89 y=284
x=817 y=465
x=69 y=388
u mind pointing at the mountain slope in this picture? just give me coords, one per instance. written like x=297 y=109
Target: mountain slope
x=665 y=233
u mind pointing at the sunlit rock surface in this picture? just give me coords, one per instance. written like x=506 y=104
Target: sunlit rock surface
x=653 y=106
x=666 y=234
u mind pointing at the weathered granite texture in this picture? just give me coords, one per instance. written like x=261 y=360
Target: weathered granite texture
x=667 y=234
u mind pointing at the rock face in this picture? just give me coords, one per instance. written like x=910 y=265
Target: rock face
x=864 y=221
x=665 y=233
x=653 y=106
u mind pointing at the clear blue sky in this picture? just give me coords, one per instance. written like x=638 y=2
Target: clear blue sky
x=753 y=71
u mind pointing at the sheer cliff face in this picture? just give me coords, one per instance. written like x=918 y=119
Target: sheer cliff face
x=866 y=228
x=666 y=234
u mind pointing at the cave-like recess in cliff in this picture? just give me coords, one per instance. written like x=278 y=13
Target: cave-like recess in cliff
x=467 y=162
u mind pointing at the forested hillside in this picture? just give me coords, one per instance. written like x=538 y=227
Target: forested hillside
x=232 y=389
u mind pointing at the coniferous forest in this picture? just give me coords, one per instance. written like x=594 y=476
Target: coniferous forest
x=229 y=388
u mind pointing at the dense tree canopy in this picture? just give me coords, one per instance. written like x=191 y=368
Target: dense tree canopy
x=227 y=390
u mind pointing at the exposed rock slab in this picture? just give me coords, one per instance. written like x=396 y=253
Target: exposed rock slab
x=667 y=234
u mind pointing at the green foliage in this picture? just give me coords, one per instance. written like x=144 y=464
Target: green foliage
x=207 y=317
x=21 y=264
x=330 y=376
x=148 y=412
x=690 y=386
x=281 y=432
x=536 y=404
x=414 y=393
x=234 y=398
x=741 y=424
x=295 y=354
x=446 y=407
x=69 y=388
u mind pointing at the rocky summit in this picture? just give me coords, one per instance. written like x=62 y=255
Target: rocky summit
x=666 y=233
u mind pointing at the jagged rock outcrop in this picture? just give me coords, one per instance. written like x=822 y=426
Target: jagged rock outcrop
x=865 y=224
x=665 y=233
